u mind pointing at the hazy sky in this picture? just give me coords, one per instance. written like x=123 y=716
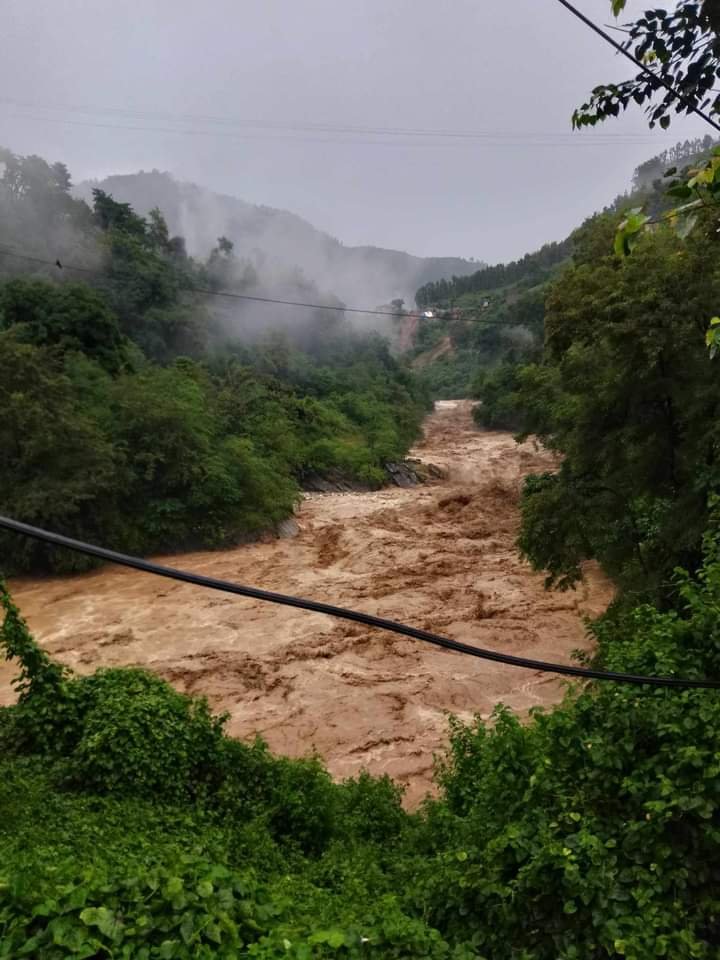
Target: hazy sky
x=255 y=98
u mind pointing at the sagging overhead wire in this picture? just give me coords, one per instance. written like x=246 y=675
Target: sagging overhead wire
x=303 y=131
x=441 y=143
x=204 y=291
x=343 y=613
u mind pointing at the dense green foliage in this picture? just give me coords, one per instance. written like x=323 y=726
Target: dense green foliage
x=628 y=395
x=531 y=269
x=591 y=832
x=135 y=411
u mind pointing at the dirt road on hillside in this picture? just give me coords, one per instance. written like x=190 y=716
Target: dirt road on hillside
x=439 y=557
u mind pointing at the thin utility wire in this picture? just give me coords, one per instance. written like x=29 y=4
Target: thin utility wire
x=512 y=143
x=369 y=620
x=693 y=108
x=542 y=137
x=326 y=127
x=256 y=299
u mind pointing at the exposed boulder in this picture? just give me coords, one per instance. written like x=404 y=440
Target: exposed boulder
x=410 y=473
x=288 y=529
x=331 y=482
x=401 y=473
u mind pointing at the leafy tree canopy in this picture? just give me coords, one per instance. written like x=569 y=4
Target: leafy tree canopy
x=680 y=47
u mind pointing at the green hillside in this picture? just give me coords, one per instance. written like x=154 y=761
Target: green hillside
x=505 y=304
x=502 y=310
x=141 y=411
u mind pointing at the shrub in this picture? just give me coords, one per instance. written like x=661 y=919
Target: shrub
x=193 y=910
x=370 y=808
x=141 y=737
x=302 y=806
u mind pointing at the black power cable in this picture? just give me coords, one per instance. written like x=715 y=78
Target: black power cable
x=343 y=613
x=692 y=107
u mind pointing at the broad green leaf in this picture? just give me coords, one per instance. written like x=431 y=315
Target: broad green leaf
x=334 y=938
x=187 y=929
x=102 y=918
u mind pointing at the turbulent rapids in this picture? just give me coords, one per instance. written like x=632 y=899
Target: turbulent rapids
x=440 y=556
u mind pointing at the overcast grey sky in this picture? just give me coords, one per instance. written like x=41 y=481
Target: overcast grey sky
x=113 y=87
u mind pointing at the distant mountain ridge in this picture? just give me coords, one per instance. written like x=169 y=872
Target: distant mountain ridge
x=270 y=237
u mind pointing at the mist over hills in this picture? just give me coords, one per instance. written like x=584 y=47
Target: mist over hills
x=276 y=239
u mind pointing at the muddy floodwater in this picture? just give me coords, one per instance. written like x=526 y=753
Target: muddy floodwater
x=441 y=557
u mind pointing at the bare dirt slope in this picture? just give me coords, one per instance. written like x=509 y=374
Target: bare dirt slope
x=441 y=557
x=442 y=348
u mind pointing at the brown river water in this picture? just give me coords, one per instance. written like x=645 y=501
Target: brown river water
x=441 y=557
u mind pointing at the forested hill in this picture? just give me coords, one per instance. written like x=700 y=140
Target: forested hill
x=532 y=268
x=493 y=319
x=143 y=411
x=278 y=240
x=646 y=187
x=492 y=314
